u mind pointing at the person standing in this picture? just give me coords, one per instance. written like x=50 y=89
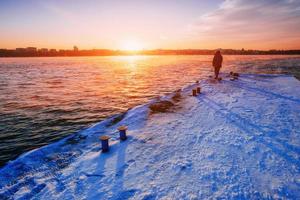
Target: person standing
x=217 y=63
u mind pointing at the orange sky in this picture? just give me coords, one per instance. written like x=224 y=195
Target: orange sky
x=141 y=24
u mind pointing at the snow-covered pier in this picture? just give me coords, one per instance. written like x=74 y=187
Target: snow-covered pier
x=236 y=140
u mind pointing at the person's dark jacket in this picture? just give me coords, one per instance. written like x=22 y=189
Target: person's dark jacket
x=217 y=61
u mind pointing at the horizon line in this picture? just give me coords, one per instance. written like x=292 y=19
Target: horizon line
x=153 y=49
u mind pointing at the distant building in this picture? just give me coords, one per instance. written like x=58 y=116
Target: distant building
x=75 y=48
x=43 y=50
x=20 y=50
x=52 y=50
x=31 y=49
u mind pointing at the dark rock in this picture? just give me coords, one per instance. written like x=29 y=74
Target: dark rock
x=176 y=97
x=161 y=106
x=115 y=119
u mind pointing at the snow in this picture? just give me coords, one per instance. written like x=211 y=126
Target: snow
x=236 y=140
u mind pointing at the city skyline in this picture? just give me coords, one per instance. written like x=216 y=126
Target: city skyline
x=45 y=52
x=136 y=25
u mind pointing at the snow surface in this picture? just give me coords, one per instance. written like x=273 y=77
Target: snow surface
x=237 y=140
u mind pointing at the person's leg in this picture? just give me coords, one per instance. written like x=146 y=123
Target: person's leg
x=217 y=70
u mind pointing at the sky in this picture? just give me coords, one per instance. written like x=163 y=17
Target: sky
x=150 y=24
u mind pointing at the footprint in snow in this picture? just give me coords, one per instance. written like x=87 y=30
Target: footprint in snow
x=126 y=194
x=131 y=161
x=183 y=165
x=121 y=170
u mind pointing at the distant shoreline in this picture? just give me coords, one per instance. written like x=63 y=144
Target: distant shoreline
x=34 y=52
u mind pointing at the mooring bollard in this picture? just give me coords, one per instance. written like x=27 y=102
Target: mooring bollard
x=198 y=90
x=194 y=92
x=104 y=141
x=122 y=131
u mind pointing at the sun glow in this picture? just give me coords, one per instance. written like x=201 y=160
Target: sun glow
x=131 y=45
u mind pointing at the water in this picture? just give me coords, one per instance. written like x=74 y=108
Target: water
x=45 y=99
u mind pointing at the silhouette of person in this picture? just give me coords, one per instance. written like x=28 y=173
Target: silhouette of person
x=217 y=63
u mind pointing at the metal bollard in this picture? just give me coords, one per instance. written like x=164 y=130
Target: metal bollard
x=104 y=141
x=194 y=92
x=122 y=131
x=198 y=90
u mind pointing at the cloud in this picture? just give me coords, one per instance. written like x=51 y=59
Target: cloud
x=65 y=15
x=264 y=22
